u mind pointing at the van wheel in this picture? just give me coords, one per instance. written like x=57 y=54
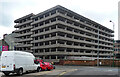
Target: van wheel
x=27 y=72
x=39 y=69
x=6 y=73
x=20 y=72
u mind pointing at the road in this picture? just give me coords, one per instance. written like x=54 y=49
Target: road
x=76 y=71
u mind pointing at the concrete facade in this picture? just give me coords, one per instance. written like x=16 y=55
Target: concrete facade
x=23 y=29
x=117 y=47
x=58 y=33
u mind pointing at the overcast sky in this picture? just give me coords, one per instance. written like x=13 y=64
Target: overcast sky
x=101 y=11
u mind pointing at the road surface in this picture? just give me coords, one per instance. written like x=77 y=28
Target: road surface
x=73 y=71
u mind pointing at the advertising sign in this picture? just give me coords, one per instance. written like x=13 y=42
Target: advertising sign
x=4 y=48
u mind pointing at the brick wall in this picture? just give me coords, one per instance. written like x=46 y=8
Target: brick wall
x=90 y=62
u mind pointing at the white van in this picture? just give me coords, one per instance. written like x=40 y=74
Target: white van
x=18 y=62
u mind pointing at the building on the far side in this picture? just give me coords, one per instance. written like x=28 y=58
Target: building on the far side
x=11 y=40
x=117 y=48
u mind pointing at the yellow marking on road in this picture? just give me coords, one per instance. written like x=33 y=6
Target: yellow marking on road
x=62 y=73
x=66 y=72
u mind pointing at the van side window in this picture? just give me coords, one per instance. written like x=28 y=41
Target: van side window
x=35 y=61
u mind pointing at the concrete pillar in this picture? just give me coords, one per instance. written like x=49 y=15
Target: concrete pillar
x=65 y=50
x=56 y=57
x=49 y=28
x=49 y=42
x=43 y=30
x=73 y=37
x=65 y=57
x=65 y=14
x=56 y=19
x=50 y=50
x=44 y=50
x=43 y=36
x=57 y=11
x=65 y=35
x=50 y=35
x=73 y=17
x=43 y=23
x=84 y=51
x=56 y=26
x=66 y=21
x=43 y=16
x=72 y=43
x=49 y=21
x=65 y=28
x=65 y=43
x=49 y=14
x=43 y=43
x=73 y=30
x=72 y=23
x=56 y=50
x=56 y=34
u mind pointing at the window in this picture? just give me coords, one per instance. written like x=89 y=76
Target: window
x=41 y=37
x=53 y=27
x=47 y=35
x=47 y=43
x=36 y=19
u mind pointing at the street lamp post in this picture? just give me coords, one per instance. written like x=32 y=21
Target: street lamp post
x=113 y=42
x=1 y=47
x=98 y=49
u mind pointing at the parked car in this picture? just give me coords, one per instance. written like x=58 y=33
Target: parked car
x=18 y=62
x=43 y=66
x=49 y=66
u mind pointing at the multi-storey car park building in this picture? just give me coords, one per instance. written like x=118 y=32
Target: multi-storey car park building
x=23 y=29
x=59 y=33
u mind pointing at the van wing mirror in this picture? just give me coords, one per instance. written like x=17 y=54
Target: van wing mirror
x=36 y=62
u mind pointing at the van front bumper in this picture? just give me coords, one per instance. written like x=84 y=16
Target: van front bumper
x=10 y=71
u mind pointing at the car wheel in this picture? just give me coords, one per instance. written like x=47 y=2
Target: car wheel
x=39 y=69
x=20 y=72
x=48 y=69
x=54 y=67
x=6 y=73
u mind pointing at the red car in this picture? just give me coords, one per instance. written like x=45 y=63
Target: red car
x=43 y=66
x=46 y=66
x=49 y=66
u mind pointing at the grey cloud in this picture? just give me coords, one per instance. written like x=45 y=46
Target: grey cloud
x=6 y=18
